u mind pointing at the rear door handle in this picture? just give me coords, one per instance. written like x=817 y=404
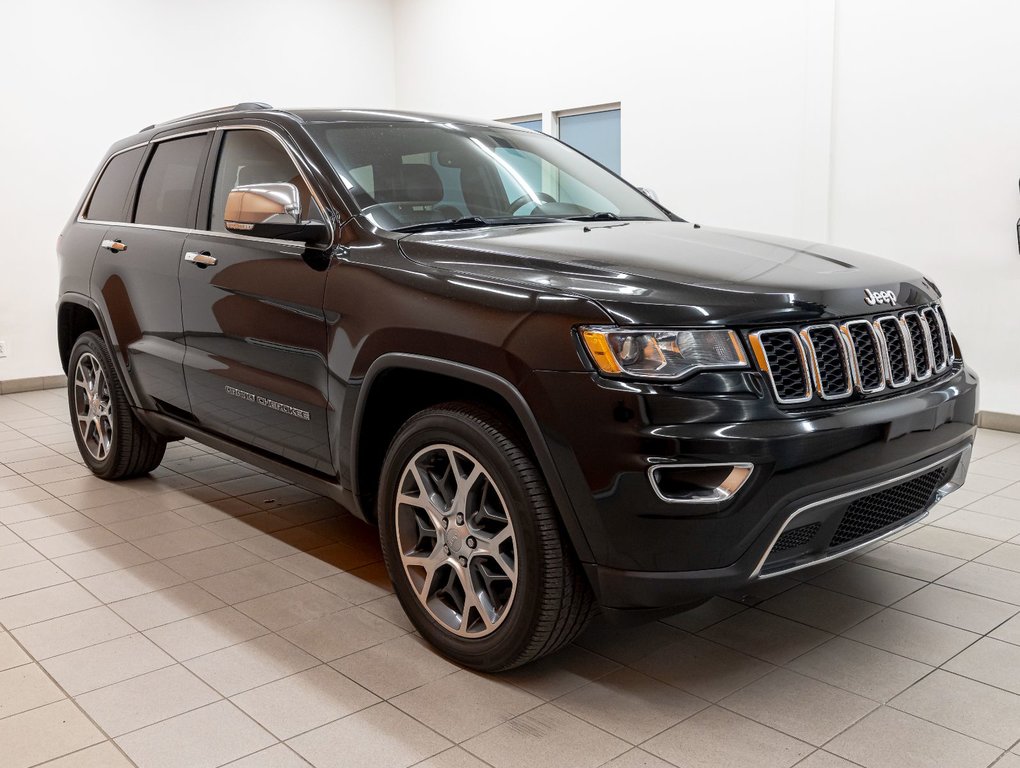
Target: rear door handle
x=203 y=259
x=114 y=245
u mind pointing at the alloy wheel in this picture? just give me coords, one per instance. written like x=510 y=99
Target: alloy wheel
x=92 y=406
x=456 y=540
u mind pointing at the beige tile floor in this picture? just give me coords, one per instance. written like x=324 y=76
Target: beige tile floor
x=212 y=615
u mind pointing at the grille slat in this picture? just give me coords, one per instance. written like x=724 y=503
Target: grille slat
x=828 y=361
x=786 y=365
x=876 y=511
x=919 y=345
x=938 y=338
x=866 y=355
x=896 y=350
x=949 y=334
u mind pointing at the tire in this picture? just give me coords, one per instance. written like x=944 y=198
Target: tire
x=501 y=540
x=111 y=440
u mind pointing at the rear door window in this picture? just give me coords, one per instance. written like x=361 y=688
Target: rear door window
x=168 y=187
x=110 y=195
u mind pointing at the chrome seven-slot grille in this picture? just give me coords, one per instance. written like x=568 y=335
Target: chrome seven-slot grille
x=866 y=356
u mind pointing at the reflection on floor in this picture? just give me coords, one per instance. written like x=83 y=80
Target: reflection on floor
x=212 y=614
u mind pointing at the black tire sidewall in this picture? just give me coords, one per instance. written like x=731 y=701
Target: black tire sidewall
x=502 y=646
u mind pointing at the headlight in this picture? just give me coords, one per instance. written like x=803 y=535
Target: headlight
x=674 y=354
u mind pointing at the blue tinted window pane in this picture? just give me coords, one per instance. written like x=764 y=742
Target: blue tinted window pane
x=535 y=125
x=597 y=134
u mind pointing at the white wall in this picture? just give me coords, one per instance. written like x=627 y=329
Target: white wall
x=867 y=123
x=77 y=76
x=880 y=125
x=926 y=160
x=714 y=95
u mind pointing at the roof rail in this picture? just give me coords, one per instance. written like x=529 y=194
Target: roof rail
x=244 y=106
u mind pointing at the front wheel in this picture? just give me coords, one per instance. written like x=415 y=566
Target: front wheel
x=111 y=440
x=472 y=542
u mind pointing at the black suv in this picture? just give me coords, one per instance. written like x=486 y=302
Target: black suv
x=551 y=394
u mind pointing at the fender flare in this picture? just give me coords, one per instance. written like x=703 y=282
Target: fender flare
x=82 y=300
x=513 y=397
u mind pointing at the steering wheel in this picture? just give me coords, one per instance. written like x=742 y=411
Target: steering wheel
x=523 y=200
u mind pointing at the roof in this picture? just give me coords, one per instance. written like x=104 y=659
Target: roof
x=325 y=115
x=384 y=116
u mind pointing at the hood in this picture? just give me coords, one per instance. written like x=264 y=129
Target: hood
x=672 y=273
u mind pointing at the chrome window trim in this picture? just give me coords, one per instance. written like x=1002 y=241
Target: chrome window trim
x=854 y=355
x=756 y=574
x=187 y=231
x=181 y=135
x=756 y=345
x=95 y=183
x=929 y=352
x=674 y=465
x=816 y=372
x=925 y=312
x=199 y=230
x=907 y=351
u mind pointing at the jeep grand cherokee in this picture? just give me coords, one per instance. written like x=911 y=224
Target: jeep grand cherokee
x=551 y=394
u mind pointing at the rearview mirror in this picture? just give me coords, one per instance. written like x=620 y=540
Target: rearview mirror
x=270 y=210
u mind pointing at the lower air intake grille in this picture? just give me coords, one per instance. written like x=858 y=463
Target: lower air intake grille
x=795 y=537
x=879 y=510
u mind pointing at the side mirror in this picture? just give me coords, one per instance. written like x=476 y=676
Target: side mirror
x=270 y=210
x=649 y=193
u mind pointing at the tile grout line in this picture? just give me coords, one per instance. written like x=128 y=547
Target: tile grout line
x=744 y=607
x=68 y=697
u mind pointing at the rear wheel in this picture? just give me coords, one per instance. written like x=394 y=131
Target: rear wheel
x=472 y=542
x=113 y=443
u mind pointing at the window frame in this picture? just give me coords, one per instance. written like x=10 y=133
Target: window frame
x=519 y=121
x=189 y=223
x=551 y=122
x=610 y=107
x=209 y=181
x=129 y=195
x=205 y=185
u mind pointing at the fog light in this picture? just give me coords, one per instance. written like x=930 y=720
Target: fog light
x=698 y=483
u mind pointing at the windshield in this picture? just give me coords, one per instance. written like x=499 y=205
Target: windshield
x=408 y=175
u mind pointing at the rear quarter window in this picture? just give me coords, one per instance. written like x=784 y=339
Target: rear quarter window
x=110 y=195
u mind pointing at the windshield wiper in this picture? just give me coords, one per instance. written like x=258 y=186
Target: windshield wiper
x=468 y=222
x=465 y=222
x=599 y=216
x=608 y=216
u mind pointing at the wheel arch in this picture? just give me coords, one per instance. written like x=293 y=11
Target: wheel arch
x=422 y=381
x=77 y=314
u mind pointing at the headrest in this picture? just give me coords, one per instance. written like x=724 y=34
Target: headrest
x=262 y=172
x=419 y=183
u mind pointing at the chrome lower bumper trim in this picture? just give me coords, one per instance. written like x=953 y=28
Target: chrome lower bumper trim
x=954 y=483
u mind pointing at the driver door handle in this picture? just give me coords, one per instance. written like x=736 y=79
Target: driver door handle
x=116 y=246
x=203 y=259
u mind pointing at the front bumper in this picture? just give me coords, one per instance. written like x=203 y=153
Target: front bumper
x=623 y=589
x=811 y=466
